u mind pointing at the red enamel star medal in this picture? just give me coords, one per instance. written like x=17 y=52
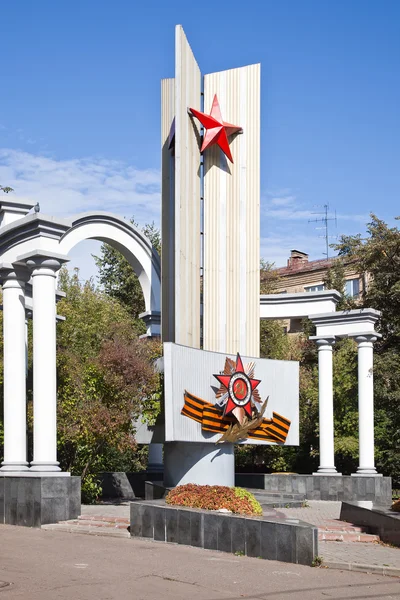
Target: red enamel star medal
x=239 y=388
x=218 y=130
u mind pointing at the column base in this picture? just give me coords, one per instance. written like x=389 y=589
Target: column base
x=327 y=471
x=43 y=466
x=366 y=472
x=14 y=466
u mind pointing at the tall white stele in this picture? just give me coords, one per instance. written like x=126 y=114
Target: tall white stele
x=225 y=223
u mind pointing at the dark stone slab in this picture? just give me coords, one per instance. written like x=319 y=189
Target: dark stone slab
x=238 y=535
x=269 y=533
x=224 y=533
x=35 y=501
x=184 y=527
x=171 y=527
x=136 y=519
x=323 y=487
x=210 y=531
x=159 y=523
x=148 y=521
x=378 y=520
x=53 y=510
x=286 y=543
x=261 y=537
x=74 y=498
x=116 y=485
x=22 y=501
x=253 y=537
x=1 y=500
x=196 y=529
x=55 y=487
x=305 y=547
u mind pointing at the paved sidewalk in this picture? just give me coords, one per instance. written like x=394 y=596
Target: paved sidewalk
x=50 y=565
x=369 y=557
x=343 y=554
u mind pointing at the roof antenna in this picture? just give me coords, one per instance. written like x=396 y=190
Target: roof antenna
x=325 y=220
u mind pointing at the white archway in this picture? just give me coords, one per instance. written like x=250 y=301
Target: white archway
x=131 y=242
x=35 y=246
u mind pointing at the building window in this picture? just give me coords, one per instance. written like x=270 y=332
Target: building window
x=352 y=288
x=314 y=288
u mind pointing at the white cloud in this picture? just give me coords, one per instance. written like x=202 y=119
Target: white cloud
x=68 y=187
x=287 y=223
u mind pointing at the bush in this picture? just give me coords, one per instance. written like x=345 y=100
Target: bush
x=90 y=489
x=215 y=497
x=396 y=506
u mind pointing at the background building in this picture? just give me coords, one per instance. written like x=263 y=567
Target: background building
x=303 y=275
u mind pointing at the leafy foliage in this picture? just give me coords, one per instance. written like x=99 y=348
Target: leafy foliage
x=214 y=497
x=117 y=277
x=105 y=375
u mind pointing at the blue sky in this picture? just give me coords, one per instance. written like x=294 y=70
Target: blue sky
x=80 y=116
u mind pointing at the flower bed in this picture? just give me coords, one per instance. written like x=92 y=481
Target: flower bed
x=396 y=506
x=215 y=497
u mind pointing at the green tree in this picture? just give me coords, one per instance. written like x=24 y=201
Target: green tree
x=105 y=376
x=378 y=258
x=118 y=279
x=6 y=189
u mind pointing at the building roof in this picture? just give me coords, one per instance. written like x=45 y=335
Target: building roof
x=305 y=267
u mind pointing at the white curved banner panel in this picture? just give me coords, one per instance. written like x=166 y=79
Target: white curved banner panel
x=211 y=394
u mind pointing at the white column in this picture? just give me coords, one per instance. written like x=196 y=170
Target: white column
x=366 y=404
x=14 y=280
x=44 y=362
x=325 y=399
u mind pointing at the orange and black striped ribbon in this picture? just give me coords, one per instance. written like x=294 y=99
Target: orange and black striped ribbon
x=211 y=419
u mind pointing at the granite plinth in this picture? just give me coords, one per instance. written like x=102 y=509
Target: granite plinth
x=127 y=486
x=35 y=501
x=286 y=540
x=379 y=520
x=322 y=487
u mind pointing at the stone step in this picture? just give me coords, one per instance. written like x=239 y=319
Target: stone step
x=275 y=495
x=279 y=503
x=103 y=525
x=346 y=536
x=104 y=519
x=90 y=528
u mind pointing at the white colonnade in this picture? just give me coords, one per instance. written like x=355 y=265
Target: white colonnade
x=42 y=268
x=331 y=325
x=358 y=324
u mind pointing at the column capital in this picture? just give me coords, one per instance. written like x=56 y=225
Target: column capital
x=42 y=262
x=13 y=275
x=323 y=341
x=366 y=339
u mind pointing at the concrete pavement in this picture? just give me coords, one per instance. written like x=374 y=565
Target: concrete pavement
x=51 y=565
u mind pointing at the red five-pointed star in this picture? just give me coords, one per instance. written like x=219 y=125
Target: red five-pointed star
x=240 y=388
x=217 y=129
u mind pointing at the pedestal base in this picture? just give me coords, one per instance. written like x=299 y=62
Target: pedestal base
x=34 y=500
x=322 y=486
x=196 y=462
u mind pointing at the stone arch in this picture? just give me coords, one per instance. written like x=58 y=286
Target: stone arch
x=126 y=238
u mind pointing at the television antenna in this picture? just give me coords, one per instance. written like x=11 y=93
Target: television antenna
x=325 y=219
